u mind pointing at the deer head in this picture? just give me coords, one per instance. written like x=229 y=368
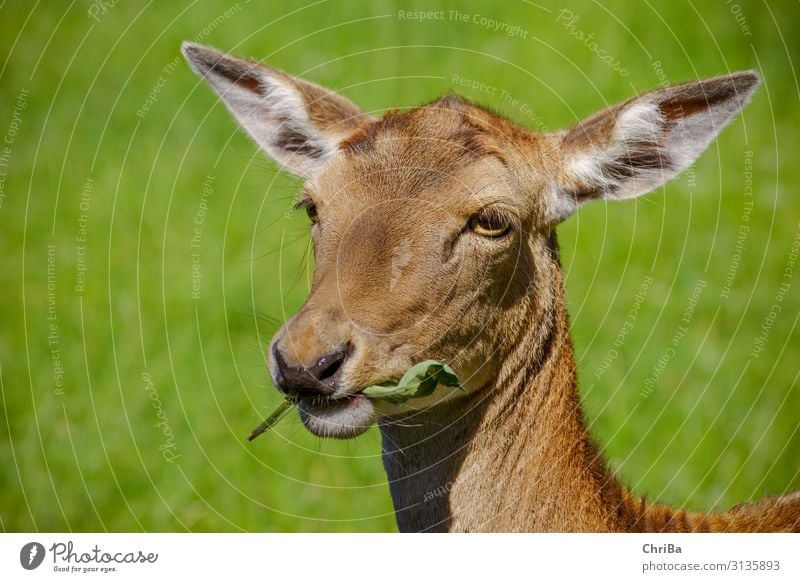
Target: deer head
x=433 y=228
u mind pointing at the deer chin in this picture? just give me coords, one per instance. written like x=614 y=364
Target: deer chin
x=340 y=418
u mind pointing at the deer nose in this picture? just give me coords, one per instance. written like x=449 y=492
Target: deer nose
x=317 y=380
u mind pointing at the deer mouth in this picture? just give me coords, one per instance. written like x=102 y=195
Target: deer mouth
x=337 y=417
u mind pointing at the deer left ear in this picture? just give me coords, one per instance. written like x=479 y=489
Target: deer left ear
x=636 y=146
x=297 y=123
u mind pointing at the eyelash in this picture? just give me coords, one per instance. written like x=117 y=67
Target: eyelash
x=311 y=209
x=490 y=223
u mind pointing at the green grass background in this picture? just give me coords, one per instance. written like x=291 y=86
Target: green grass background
x=720 y=426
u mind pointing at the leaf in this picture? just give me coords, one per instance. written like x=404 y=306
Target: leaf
x=420 y=380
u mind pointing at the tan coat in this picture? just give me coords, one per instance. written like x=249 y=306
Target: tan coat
x=434 y=237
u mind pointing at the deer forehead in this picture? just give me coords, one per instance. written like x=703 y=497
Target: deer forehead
x=435 y=158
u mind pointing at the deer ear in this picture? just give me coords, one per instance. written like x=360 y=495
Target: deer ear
x=296 y=122
x=636 y=146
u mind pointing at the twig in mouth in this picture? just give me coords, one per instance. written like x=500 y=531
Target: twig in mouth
x=271 y=420
x=420 y=380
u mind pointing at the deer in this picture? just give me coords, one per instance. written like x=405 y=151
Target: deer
x=434 y=236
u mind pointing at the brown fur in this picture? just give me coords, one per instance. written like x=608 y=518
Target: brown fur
x=400 y=277
x=519 y=458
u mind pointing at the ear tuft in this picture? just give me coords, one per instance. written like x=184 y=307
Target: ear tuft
x=632 y=148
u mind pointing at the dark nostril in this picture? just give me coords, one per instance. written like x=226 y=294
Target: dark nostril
x=330 y=370
x=317 y=379
x=329 y=364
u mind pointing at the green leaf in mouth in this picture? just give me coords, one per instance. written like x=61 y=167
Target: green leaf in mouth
x=420 y=380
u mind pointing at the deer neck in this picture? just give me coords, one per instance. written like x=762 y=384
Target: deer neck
x=514 y=456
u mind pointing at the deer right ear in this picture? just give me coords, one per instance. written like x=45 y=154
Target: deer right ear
x=634 y=147
x=296 y=122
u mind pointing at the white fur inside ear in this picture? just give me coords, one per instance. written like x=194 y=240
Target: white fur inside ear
x=603 y=167
x=272 y=108
x=642 y=121
x=631 y=149
x=277 y=120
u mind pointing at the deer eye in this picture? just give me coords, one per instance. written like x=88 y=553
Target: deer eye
x=489 y=223
x=311 y=211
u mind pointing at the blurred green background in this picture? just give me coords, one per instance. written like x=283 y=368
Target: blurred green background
x=149 y=253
